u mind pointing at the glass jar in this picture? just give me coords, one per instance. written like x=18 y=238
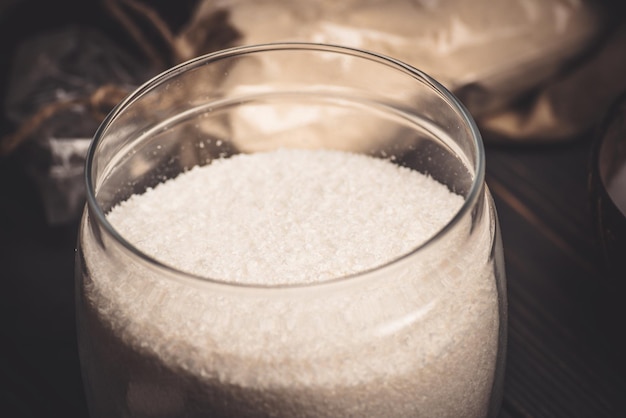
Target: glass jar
x=607 y=187
x=423 y=334
x=607 y=203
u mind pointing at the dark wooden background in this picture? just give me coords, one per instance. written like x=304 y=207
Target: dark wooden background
x=565 y=357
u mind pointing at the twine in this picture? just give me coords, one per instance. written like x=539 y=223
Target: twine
x=129 y=14
x=98 y=104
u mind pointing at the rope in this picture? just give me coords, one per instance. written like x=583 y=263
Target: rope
x=98 y=104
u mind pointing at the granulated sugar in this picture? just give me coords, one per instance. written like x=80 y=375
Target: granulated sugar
x=416 y=338
x=286 y=216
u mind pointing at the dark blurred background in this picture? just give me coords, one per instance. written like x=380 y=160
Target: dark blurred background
x=39 y=370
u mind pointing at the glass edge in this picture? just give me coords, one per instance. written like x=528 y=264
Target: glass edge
x=94 y=208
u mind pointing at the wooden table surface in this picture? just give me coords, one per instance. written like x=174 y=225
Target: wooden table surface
x=563 y=355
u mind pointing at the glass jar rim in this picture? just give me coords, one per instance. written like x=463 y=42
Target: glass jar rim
x=473 y=193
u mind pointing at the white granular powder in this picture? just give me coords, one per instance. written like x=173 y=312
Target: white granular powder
x=286 y=216
x=415 y=338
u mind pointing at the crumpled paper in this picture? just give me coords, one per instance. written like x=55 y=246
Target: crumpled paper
x=516 y=64
x=528 y=70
